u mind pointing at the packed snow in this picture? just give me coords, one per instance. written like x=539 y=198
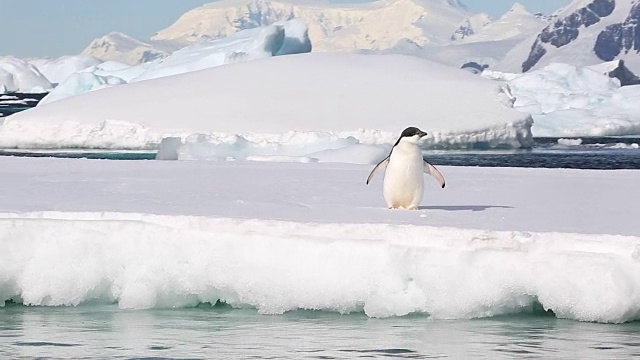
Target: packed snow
x=17 y=75
x=317 y=97
x=566 y=100
x=284 y=236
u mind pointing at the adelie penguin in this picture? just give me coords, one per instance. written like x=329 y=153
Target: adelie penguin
x=403 y=180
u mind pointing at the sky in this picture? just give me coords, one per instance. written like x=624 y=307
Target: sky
x=48 y=28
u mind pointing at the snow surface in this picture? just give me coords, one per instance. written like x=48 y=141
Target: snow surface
x=565 y=100
x=285 y=236
x=19 y=76
x=314 y=96
x=58 y=70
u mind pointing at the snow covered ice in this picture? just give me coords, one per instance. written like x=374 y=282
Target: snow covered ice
x=566 y=100
x=313 y=236
x=19 y=76
x=334 y=98
x=282 y=38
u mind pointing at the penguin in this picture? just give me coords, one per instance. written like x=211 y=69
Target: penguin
x=403 y=180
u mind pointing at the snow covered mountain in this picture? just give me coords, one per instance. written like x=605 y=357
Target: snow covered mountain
x=517 y=22
x=376 y=25
x=481 y=41
x=586 y=32
x=117 y=46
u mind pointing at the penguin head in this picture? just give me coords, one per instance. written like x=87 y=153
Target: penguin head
x=412 y=135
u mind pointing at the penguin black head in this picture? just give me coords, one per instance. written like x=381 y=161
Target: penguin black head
x=411 y=135
x=413 y=131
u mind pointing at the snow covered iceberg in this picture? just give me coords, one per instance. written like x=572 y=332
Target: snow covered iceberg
x=290 y=37
x=58 y=70
x=367 y=97
x=19 y=76
x=566 y=100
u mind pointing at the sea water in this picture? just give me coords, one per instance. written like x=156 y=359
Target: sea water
x=220 y=332
x=604 y=153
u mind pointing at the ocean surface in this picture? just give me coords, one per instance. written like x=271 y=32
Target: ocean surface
x=12 y=103
x=607 y=153
x=91 y=332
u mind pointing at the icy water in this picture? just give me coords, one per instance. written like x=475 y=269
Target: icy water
x=12 y=103
x=606 y=153
x=92 y=332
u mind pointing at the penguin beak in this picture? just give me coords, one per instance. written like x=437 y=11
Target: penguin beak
x=422 y=134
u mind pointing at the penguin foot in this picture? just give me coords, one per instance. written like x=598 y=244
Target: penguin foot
x=413 y=208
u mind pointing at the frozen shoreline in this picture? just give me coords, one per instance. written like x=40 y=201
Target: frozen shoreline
x=284 y=236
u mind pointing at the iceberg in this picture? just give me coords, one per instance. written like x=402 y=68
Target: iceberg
x=19 y=76
x=58 y=70
x=571 y=101
x=289 y=37
x=368 y=97
x=80 y=83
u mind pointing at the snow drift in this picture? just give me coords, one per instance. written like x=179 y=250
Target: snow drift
x=309 y=92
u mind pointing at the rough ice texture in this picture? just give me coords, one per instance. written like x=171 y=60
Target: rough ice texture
x=313 y=236
x=19 y=76
x=281 y=38
x=565 y=100
x=80 y=83
x=333 y=93
x=58 y=70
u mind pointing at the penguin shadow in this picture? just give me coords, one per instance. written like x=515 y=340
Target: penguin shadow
x=464 y=207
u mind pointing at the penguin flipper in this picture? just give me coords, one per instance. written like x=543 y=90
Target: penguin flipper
x=431 y=170
x=381 y=165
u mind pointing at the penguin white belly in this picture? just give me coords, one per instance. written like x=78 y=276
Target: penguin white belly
x=403 y=179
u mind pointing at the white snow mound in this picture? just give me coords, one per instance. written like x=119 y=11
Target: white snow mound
x=367 y=97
